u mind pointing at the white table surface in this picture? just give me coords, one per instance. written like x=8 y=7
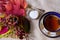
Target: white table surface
x=47 y=5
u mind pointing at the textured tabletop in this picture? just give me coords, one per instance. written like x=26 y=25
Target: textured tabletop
x=47 y=5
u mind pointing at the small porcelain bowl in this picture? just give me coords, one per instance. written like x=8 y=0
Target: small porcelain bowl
x=49 y=24
x=34 y=13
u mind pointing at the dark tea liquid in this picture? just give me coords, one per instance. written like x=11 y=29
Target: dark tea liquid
x=51 y=23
